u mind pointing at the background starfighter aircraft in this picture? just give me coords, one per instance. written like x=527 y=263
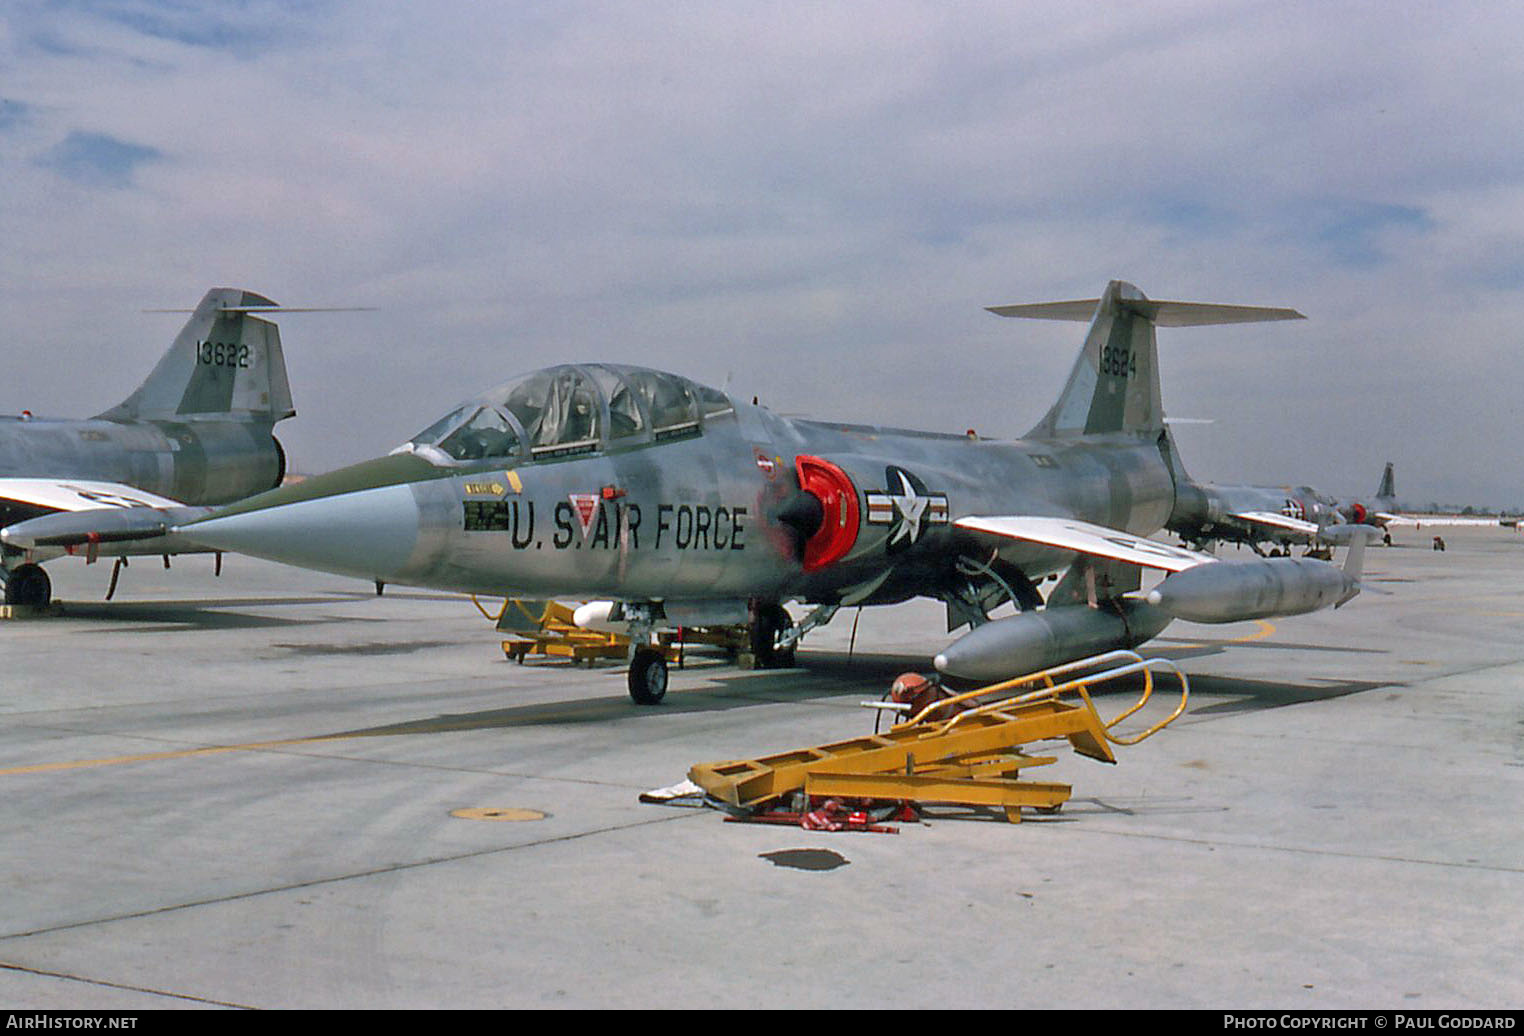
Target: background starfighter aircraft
x=1250 y=515
x=199 y=431
x=1381 y=511
x=685 y=507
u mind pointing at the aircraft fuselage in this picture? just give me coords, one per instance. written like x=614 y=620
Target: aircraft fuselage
x=196 y=462
x=699 y=517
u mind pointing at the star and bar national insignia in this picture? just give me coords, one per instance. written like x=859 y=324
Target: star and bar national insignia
x=906 y=506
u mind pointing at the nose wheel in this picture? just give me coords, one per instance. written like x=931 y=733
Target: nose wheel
x=648 y=676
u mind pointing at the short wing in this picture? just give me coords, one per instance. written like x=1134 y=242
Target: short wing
x=45 y=495
x=64 y=513
x=1088 y=538
x=1278 y=521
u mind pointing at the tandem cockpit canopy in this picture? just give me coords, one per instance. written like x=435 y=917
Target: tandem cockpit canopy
x=570 y=409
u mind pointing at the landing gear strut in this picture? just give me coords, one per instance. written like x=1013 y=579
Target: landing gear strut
x=647 y=678
x=768 y=627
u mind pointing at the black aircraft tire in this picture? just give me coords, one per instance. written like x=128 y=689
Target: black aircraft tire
x=28 y=585
x=772 y=621
x=648 y=677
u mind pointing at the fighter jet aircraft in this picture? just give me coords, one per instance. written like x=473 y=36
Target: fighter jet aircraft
x=198 y=432
x=683 y=506
x=1206 y=514
x=1381 y=512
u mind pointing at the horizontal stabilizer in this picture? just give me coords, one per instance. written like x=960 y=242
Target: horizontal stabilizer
x=275 y=307
x=1162 y=314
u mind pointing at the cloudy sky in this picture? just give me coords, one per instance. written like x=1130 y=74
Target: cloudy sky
x=809 y=202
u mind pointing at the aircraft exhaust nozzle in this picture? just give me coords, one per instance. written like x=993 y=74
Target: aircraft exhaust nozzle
x=1032 y=641
x=1237 y=591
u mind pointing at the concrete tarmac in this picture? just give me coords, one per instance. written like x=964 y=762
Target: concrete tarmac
x=247 y=792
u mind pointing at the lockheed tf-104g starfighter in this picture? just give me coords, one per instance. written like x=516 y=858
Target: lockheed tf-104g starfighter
x=679 y=505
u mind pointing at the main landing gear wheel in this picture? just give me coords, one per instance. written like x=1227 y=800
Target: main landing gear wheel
x=28 y=585
x=648 y=676
x=771 y=624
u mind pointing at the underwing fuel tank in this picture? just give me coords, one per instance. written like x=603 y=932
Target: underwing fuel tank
x=1235 y=591
x=1032 y=641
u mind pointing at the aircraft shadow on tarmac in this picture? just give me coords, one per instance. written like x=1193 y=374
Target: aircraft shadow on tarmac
x=1197 y=647
x=216 y=613
x=1258 y=695
x=365 y=648
x=823 y=675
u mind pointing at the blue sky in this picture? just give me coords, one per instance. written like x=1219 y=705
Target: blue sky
x=812 y=201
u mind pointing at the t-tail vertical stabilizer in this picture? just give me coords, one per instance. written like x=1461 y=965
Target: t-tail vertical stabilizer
x=225 y=362
x=1114 y=386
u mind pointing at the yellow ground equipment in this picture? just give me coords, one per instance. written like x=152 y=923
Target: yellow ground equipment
x=546 y=628
x=963 y=749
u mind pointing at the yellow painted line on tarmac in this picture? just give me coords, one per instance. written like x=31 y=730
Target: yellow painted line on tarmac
x=148 y=757
x=1266 y=629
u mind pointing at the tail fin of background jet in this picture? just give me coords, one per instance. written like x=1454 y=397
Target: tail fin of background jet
x=225 y=362
x=1114 y=386
x=1387 y=491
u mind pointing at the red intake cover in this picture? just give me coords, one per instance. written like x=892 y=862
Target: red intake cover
x=838 y=499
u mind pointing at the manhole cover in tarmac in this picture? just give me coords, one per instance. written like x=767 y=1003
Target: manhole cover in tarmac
x=498 y=813
x=806 y=859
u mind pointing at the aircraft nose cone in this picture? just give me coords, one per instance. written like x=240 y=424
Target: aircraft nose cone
x=369 y=533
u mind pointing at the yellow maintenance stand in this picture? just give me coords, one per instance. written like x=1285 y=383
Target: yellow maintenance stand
x=548 y=629
x=963 y=750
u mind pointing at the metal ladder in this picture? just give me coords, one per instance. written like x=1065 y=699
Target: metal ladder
x=962 y=750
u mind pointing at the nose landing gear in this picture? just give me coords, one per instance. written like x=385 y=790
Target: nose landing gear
x=648 y=675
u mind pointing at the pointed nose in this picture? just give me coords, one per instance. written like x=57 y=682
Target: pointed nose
x=368 y=533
